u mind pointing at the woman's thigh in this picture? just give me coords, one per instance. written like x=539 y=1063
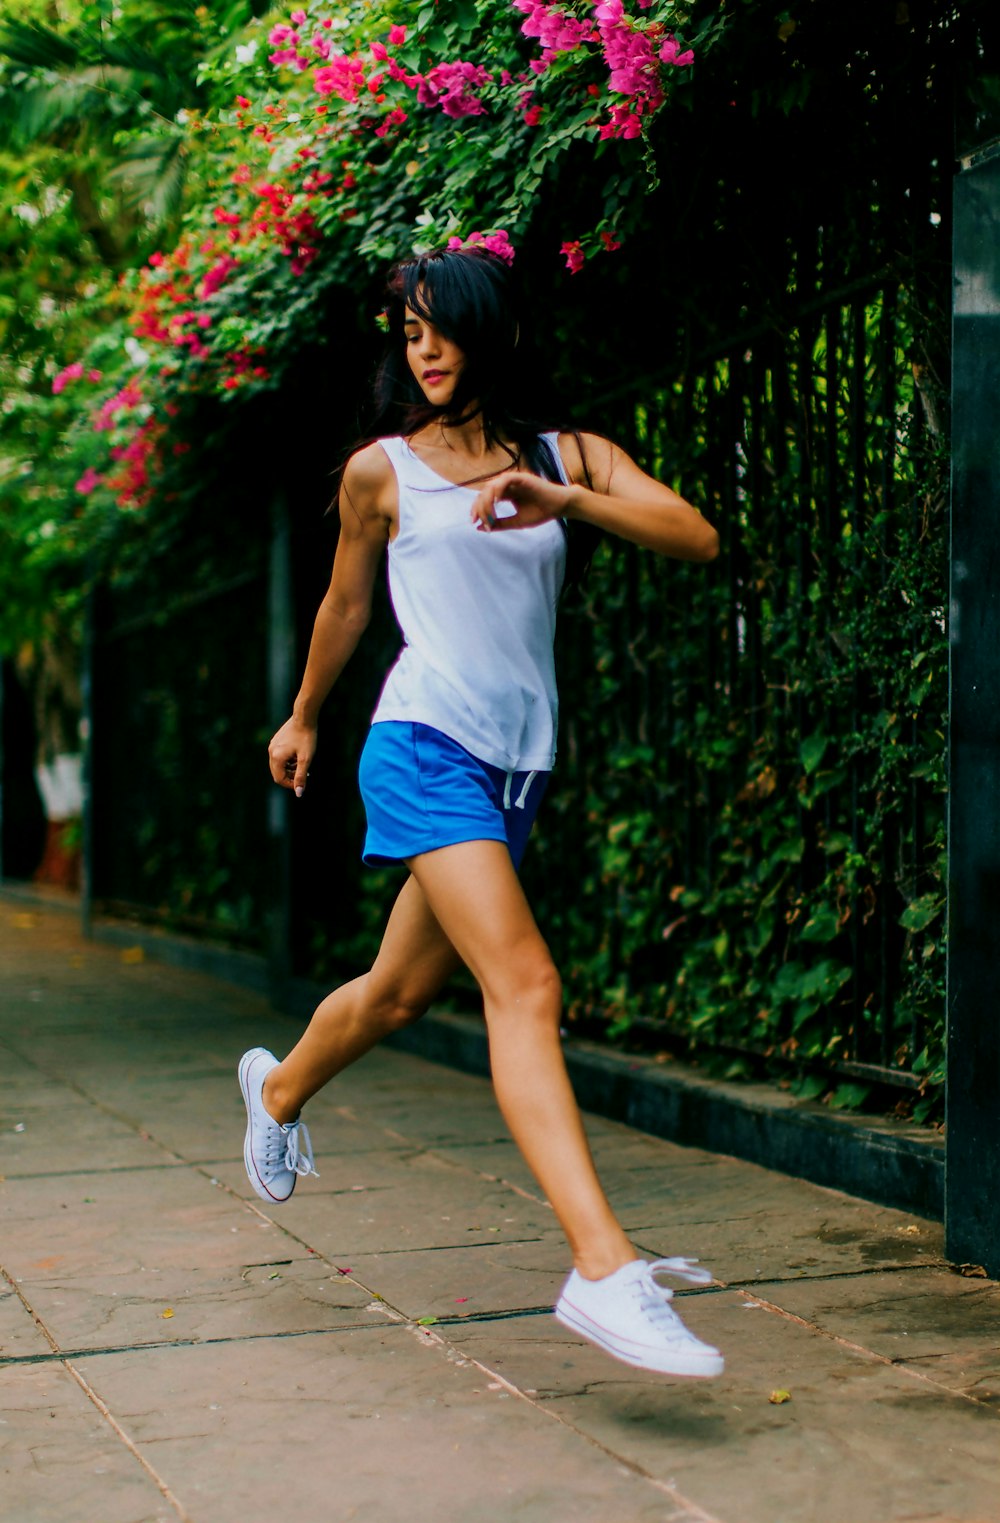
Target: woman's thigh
x=415 y=958
x=475 y=896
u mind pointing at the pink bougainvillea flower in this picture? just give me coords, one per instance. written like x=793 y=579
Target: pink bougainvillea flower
x=380 y=52
x=88 y=482
x=670 y=53
x=155 y=260
x=70 y=373
x=451 y=87
x=533 y=116
x=574 y=256
x=610 y=243
x=497 y=242
x=397 y=36
x=556 y=30
x=299 y=18
x=342 y=76
x=243 y=103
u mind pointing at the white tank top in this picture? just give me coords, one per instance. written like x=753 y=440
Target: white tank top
x=477 y=613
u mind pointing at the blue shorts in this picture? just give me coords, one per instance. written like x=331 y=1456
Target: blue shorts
x=422 y=790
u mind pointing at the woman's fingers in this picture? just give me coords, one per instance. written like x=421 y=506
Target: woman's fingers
x=516 y=500
x=289 y=756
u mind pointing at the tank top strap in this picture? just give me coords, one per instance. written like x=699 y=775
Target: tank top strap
x=405 y=463
x=552 y=440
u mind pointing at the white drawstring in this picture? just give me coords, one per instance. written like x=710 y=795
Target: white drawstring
x=522 y=797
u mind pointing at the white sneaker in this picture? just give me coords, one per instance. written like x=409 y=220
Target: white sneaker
x=628 y=1314
x=274 y=1155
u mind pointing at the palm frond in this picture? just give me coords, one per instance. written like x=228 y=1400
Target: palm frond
x=35 y=46
x=152 y=175
x=39 y=111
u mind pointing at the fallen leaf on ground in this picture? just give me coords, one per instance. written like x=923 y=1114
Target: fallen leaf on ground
x=24 y=921
x=460 y=1299
x=168 y=1313
x=424 y=1321
x=777 y=1397
x=133 y=954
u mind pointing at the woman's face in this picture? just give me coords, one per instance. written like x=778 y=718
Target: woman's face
x=435 y=361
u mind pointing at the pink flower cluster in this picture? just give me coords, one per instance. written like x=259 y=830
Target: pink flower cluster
x=343 y=76
x=107 y=414
x=88 y=482
x=556 y=30
x=634 y=66
x=498 y=243
x=74 y=372
x=452 y=86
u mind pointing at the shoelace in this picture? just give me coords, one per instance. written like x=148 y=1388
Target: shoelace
x=654 y=1299
x=290 y=1147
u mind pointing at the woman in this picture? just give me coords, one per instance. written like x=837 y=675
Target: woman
x=474 y=507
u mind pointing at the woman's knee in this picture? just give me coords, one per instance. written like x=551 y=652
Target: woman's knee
x=395 y=1005
x=528 y=986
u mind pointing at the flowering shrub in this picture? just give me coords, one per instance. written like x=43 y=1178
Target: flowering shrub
x=349 y=139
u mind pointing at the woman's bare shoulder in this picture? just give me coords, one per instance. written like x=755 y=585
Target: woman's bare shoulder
x=589 y=459
x=368 y=468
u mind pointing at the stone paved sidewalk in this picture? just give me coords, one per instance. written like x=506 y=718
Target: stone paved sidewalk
x=380 y=1348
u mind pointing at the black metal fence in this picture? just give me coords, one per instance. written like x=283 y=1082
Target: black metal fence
x=756 y=746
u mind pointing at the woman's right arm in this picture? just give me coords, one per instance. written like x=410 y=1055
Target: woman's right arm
x=344 y=612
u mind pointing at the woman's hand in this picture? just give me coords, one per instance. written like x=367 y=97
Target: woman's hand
x=290 y=753
x=518 y=500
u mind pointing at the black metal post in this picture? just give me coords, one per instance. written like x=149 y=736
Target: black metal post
x=972 y=1179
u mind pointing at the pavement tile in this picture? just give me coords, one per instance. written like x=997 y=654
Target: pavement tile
x=58 y=1136
x=382 y=1426
x=61 y=1462
x=20 y=1337
x=847 y=1447
x=163 y=1306
x=765 y=1236
x=122 y=1222
x=910 y=1314
x=491 y=1279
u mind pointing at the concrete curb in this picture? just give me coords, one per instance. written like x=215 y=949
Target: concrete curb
x=893 y=1164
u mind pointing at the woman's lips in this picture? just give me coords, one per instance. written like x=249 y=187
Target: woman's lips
x=434 y=375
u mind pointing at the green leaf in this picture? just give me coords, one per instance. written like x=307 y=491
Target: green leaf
x=922 y=912
x=821 y=926
x=809 y=1086
x=812 y=750
x=849 y=1097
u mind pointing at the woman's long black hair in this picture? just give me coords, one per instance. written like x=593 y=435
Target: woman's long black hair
x=469 y=295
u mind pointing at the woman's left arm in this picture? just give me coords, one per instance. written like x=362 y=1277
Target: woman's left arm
x=621 y=499
x=626 y=502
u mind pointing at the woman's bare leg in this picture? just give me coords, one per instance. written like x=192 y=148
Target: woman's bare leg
x=474 y=895
x=414 y=961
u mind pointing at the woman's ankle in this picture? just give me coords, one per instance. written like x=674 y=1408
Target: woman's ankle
x=276 y=1100
x=598 y=1263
